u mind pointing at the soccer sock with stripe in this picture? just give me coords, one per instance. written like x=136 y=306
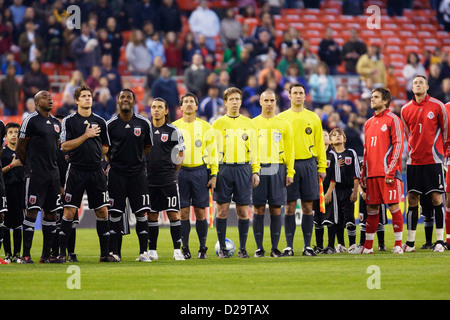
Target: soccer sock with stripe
x=175 y=232
x=428 y=225
x=331 y=235
x=48 y=232
x=275 y=230
x=371 y=227
x=243 y=226
x=258 y=230
x=319 y=230
x=103 y=236
x=221 y=226
x=447 y=224
x=28 y=233
x=185 y=231
x=201 y=226
x=439 y=220
x=307 y=228
x=64 y=234
x=412 y=218
x=397 y=224
x=153 y=232
x=115 y=224
x=142 y=233
x=351 y=232
x=289 y=229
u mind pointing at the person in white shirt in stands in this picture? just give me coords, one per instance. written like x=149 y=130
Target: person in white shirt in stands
x=205 y=21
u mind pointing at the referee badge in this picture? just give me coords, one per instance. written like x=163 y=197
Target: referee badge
x=245 y=136
x=198 y=143
x=277 y=136
x=164 y=137
x=137 y=132
x=308 y=130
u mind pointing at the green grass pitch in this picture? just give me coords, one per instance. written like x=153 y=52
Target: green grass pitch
x=419 y=275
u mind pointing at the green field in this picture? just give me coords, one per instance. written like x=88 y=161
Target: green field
x=419 y=275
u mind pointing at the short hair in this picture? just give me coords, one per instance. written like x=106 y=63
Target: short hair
x=420 y=76
x=11 y=125
x=230 y=91
x=126 y=90
x=293 y=85
x=385 y=95
x=189 y=94
x=341 y=131
x=77 y=92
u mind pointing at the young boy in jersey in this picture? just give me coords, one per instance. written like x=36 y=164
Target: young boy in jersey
x=13 y=173
x=329 y=217
x=346 y=190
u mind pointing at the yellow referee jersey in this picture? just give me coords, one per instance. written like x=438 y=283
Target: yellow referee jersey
x=237 y=141
x=200 y=144
x=275 y=142
x=308 y=136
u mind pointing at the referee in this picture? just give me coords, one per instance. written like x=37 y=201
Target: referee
x=198 y=172
x=276 y=153
x=310 y=164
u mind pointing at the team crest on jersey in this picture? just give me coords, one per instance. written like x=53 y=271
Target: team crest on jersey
x=348 y=160
x=137 y=132
x=56 y=127
x=111 y=202
x=384 y=128
x=430 y=115
x=328 y=163
x=68 y=197
x=164 y=137
x=32 y=199
x=277 y=136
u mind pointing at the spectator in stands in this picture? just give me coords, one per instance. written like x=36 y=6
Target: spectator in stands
x=93 y=80
x=352 y=50
x=392 y=82
x=10 y=59
x=154 y=73
x=371 y=65
x=250 y=96
x=223 y=82
x=244 y=4
x=242 y=70
x=103 y=11
x=266 y=23
x=353 y=132
x=10 y=92
x=291 y=38
x=444 y=10
x=353 y=7
x=311 y=4
x=230 y=28
x=309 y=59
x=232 y=55
x=343 y=105
x=53 y=38
x=68 y=105
x=106 y=106
x=330 y=52
x=264 y=47
x=30 y=107
x=188 y=49
x=205 y=21
x=137 y=55
x=210 y=104
x=31 y=45
x=209 y=59
x=17 y=11
x=116 y=39
x=104 y=42
x=269 y=70
x=112 y=74
x=293 y=76
x=85 y=50
x=145 y=10
x=395 y=7
x=76 y=81
x=6 y=40
x=195 y=76
x=412 y=68
x=435 y=80
x=166 y=87
x=34 y=81
x=155 y=47
x=288 y=59
x=322 y=86
x=169 y=17
x=172 y=52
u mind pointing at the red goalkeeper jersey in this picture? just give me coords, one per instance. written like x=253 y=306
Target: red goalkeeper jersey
x=383 y=146
x=447 y=143
x=426 y=125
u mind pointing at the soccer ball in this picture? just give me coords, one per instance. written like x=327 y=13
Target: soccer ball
x=231 y=247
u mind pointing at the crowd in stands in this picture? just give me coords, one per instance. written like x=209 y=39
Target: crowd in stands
x=209 y=49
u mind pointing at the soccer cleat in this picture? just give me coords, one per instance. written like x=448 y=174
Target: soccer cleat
x=177 y=255
x=397 y=250
x=427 y=245
x=276 y=253
x=329 y=250
x=152 y=254
x=8 y=259
x=341 y=248
x=438 y=247
x=51 y=260
x=109 y=258
x=367 y=251
x=243 y=253
x=317 y=250
x=259 y=253
x=223 y=253
x=3 y=261
x=381 y=247
x=26 y=260
x=186 y=252
x=407 y=248
x=352 y=248
x=72 y=257
x=308 y=251
x=202 y=253
x=143 y=257
x=287 y=252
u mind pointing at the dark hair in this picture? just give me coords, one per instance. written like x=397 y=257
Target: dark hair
x=231 y=90
x=385 y=95
x=188 y=94
x=11 y=125
x=166 y=106
x=296 y=85
x=127 y=90
x=420 y=76
x=77 y=92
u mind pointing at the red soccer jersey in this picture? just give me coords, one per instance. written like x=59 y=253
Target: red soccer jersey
x=425 y=126
x=383 y=146
x=447 y=143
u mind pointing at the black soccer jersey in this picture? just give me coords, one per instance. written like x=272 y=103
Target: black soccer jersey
x=2 y=134
x=87 y=156
x=333 y=170
x=128 y=140
x=161 y=161
x=14 y=175
x=350 y=169
x=43 y=136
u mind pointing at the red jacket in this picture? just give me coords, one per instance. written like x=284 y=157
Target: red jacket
x=426 y=126
x=383 y=146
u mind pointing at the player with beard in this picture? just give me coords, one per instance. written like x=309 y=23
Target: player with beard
x=37 y=148
x=131 y=140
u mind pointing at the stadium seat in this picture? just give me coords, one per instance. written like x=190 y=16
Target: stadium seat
x=49 y=68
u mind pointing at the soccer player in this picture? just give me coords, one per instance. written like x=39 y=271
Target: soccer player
x=381 y=171
x=163 y=163
x=346 y=190
x=13 y=173
x=310 y=164
x=276 y=154
x=197 y=174
x=3 y=206
x=238 y=168
x=85 y=138
x=131 y=139
x=425 y=123
x=37 y=148
x=447 y=186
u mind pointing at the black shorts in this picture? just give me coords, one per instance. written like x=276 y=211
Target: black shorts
x=193 y=189
x=121 y=187
x=346 y=208
x=3 y=201
x=424 y=179
x=306 y=181
x=43 y=193
x=330 y=217
x=14 y=197
x=272 y=186
x=234 y=182
x=93 y=182
x=166 y=198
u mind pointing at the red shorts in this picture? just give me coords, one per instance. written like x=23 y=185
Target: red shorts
x=378 y=191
